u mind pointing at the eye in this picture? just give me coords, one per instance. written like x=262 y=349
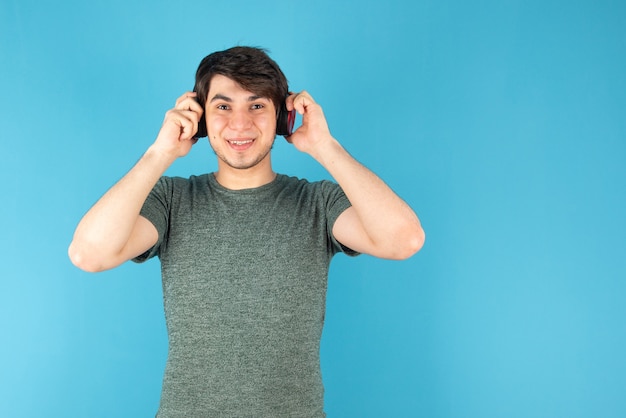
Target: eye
x=222 y=107
x=257 y=106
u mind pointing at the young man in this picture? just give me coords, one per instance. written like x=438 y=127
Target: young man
x=244 y=251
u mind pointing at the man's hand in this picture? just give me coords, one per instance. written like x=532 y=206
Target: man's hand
x=313 y=134
x=177 y=134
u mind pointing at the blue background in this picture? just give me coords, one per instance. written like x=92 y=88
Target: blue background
x=502 y=123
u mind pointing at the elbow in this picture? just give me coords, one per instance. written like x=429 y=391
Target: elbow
x=417 y=242
x=411 y=243
x=82 y=259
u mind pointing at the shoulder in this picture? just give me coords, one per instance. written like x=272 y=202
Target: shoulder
x=306 y=185
x=324 y=194
x=175 y=183
x=202 y=179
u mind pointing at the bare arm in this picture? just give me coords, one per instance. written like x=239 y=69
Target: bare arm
x=379 y=222
x=113 y=231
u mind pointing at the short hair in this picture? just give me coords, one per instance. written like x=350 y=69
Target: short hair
x=250 y=67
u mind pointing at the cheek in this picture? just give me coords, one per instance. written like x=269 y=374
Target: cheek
x=216 y=123
x=266 y=122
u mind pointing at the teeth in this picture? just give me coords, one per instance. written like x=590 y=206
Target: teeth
x=241 y=142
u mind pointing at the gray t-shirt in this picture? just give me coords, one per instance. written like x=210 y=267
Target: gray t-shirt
x=244 y=288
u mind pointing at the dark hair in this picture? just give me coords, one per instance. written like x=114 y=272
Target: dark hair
x=251 y=67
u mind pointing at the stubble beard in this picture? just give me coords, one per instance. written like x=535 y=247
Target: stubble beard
x=243 y=165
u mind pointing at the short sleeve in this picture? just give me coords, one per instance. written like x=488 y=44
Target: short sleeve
x=156 y=209
x=336 y=203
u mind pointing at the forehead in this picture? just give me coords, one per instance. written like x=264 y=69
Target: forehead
x=223 y=85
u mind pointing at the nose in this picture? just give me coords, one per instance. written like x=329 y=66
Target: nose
x=239 y=120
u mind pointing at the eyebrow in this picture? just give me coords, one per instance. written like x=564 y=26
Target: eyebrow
x=219 y=96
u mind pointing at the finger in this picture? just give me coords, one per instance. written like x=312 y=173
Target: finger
x=185 y=96
x=301 y=101
x=193 y=112
x=189 y=103
x=192 y=115
x=186 y=121
x=180 y=115
x=188 y=129
x=289 y=100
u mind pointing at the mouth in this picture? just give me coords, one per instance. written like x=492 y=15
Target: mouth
x=240 y=144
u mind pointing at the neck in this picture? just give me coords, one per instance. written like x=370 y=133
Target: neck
x=248 y=178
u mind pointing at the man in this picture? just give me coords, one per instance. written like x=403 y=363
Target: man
x=244 y=251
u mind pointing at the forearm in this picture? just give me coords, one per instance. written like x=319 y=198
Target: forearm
x=392 y=227
x=106 y=228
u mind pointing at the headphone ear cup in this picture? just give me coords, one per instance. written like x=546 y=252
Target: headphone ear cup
x=202 y=132
x=285 y=121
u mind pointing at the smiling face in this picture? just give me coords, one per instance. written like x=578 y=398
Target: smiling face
x=241 y=126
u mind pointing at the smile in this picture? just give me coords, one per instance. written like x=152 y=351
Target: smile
x=247 y=141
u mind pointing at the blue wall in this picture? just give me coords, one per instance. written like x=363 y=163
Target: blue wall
x=503 y=123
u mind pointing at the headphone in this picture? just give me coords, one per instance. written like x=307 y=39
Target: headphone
x=284 y=122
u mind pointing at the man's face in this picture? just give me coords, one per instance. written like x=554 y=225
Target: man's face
x=241 y=125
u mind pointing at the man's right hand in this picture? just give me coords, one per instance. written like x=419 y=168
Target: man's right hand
x=177 y=134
